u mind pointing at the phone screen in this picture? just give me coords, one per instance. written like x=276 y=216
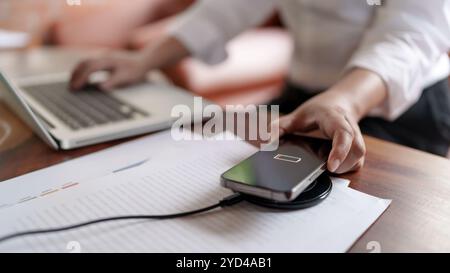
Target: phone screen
x=296 y=158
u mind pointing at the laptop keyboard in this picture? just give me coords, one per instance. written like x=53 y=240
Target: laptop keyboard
x=84 y=108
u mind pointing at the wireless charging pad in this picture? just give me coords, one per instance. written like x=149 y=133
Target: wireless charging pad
x=313 y=195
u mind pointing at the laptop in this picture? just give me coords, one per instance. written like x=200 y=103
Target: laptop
x=65 y=119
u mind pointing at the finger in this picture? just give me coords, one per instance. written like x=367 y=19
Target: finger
x=358 y=165
x=339 y=130
x=74 y=78
x=353 y=159
x=116 y=79
x=296 y=122
x=81 y=74
x=356 y=154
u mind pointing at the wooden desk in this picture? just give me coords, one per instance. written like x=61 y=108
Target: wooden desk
x=418 y=183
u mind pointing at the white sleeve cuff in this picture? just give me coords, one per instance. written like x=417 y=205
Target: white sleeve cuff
x=398 y=99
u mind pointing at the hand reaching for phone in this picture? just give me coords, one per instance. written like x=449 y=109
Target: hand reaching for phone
x=336 y=112
x=335 y=120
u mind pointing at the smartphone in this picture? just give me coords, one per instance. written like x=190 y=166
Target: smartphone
x=283 y=174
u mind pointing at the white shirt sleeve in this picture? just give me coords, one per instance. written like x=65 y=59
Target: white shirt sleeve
x=406 y=39
x=208 y=25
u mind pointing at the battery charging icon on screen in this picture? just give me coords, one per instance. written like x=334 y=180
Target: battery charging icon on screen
x=288 y=158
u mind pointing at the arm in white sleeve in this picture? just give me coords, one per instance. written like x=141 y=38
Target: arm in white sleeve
x=402 y=46
x=206 y=27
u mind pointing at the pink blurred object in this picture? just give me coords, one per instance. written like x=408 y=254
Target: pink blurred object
x=258 y=62
x=31 y=18
x=105 y=24
x=109 y=23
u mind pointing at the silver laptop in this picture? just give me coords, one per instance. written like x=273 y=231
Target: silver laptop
x=66 y=119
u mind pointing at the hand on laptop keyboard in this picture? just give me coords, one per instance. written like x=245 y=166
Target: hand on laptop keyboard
x=124 y=68
x=129 y=67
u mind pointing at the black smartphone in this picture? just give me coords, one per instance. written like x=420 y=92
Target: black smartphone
x=282 y=174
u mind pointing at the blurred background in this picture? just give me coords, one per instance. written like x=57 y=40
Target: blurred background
x=47 y=36
x=253 y=73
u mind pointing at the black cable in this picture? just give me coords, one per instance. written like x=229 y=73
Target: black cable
x=226 y=202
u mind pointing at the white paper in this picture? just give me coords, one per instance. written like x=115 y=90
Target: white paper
x=175 y=177
x=12 y=39
x=81 y=169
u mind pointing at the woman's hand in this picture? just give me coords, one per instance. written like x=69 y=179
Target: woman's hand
x=336 y=113
x=124 y=68
x=335 y=120
x=127 y=67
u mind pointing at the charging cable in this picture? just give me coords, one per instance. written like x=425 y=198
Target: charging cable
x=226 y=202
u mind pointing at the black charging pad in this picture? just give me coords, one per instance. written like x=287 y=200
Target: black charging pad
x=313 y=195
